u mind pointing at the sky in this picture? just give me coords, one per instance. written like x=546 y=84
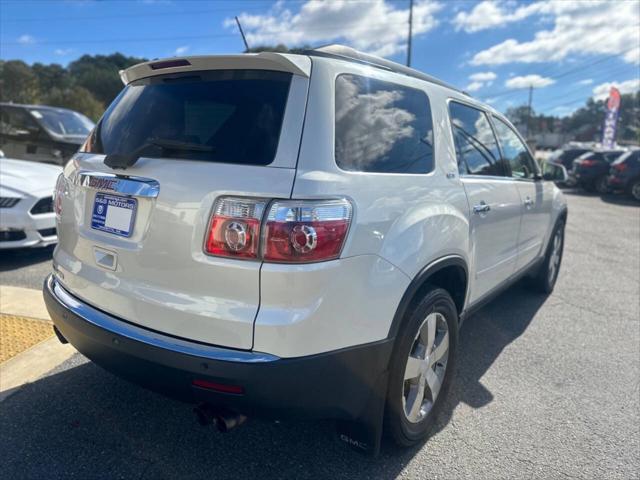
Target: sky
x=566 y=50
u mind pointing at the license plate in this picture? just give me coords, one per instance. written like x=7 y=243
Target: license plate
x=114 y=214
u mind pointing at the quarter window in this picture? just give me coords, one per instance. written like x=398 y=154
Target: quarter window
x=476 y=147
x=514 y=151
x=382 y=127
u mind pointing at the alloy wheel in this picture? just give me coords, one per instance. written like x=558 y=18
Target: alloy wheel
x=554 y=260
x=426 y=367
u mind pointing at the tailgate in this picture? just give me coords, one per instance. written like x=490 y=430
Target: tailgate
x=131 y=241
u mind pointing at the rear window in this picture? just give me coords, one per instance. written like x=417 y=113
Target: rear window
x=231 y=116
x=382 y=127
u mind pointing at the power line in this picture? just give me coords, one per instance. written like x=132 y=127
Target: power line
x=581 y=67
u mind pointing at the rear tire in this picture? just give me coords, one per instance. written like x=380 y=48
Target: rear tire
x=634 y=189
x=421 y=369
x=601 y=185
x=547 y=275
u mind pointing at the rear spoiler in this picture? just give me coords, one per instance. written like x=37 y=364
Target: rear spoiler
x=296 y=64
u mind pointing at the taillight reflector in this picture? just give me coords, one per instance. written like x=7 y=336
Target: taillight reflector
x=234 y=230
x=218 y=387
x=294 y=231
x=306 y=231
x=588 y=163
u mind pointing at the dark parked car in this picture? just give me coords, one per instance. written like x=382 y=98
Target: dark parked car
x=625 y=174
x=41 y=133
x=592 y=169
x=565 y=157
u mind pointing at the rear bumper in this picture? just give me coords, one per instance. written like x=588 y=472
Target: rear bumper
x=336 y=384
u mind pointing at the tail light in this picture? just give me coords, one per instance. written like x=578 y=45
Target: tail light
x=306 y=231
x=588 y=163
x=58 y=193
x=294 y=231
x=234 y=230
x=620 y=167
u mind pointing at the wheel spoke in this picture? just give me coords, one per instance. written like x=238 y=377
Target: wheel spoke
x=434 y=383
x=440 y=351
x=413 y=368
x=428 y=332
x=415 y=399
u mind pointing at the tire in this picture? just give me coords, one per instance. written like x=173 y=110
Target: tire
x=545 y=279
x=601 y=185
x=436 y=313
x=634 y=189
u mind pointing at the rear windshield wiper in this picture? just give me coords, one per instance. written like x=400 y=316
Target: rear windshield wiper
x=119 y=160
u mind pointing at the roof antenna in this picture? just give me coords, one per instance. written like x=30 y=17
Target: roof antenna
x=244 y=39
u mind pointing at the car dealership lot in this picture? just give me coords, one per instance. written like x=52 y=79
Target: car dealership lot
x=546 y=387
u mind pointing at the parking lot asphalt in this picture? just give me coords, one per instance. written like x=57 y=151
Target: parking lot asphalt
x=547 y=387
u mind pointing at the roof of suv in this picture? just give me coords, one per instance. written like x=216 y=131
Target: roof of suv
x=293 y=63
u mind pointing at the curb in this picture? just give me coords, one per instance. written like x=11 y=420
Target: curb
x=37 y=360
x=22 y=302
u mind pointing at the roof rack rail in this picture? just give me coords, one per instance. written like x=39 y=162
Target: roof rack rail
x=352 y=55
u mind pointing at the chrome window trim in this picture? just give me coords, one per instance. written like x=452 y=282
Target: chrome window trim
x=148 y=337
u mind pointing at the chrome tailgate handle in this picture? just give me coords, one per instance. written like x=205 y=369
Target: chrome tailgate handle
x=135 y=186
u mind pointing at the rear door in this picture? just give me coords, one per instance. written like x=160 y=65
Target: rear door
x=132 y=240
x=535 y=195
x=493 y=199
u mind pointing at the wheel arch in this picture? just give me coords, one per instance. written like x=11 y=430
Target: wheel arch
x=450 y=273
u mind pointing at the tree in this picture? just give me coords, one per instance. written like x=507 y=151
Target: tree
x=99 y=74
x=51 y=76
x=18 y=83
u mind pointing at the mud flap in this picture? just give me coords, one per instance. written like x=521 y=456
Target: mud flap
x=364 y=434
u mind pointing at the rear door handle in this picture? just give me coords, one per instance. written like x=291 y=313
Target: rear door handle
x=528 y=202
x=482 y=207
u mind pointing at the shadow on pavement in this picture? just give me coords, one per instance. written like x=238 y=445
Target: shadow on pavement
x=85 y=423
x=19 y=258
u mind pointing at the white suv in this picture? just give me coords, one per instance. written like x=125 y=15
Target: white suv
x=295 y=236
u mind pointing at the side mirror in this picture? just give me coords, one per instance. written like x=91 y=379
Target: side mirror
x=554 y=172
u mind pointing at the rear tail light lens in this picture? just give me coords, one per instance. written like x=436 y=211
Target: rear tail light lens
x=234 y=230
x=58 y=193
x=306 y=231
x=294 y=231
x=588 y=163
x=620 y=167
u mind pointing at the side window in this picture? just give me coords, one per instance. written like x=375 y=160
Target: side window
x=514 y=151
x=17 y=123
x=476 y=147
x=382 y=127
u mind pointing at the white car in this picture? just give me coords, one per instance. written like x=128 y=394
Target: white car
x=296 y=236
x=26 y=203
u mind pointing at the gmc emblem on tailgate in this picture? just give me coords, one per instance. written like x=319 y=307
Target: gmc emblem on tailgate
x=103 y=183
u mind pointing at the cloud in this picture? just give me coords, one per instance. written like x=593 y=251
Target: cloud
x=26 y=39
x=480 y=80
x=63 y=52
x=601 y=92
x=491 y=14
x=586 y=81
x=483 y=76
x=579 y=27
x=527 y=81
x=182 y=50
x=474 y=86
x=377 y=26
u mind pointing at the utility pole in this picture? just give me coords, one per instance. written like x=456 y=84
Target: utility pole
x=410 y=33
x=246 y=45
x=529 y=111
